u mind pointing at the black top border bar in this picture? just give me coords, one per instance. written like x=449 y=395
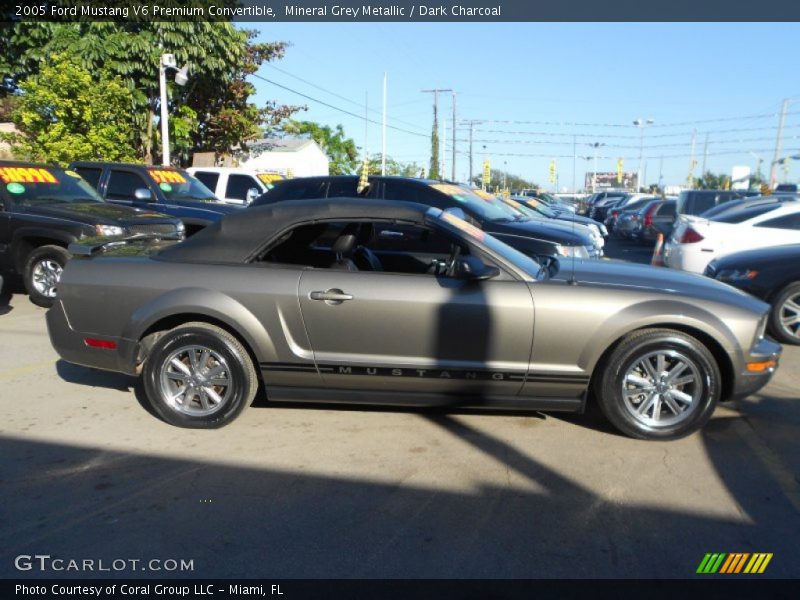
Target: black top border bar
x=400 y=11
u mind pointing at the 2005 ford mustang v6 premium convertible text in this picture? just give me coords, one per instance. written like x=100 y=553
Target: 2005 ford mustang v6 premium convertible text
x=380 y=302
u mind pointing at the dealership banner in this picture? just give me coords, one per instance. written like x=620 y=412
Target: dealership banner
x=402 y=10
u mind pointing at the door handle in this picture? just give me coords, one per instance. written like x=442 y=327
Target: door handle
x=332 y=296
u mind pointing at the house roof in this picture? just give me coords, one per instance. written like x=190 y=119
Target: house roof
x=280 y=145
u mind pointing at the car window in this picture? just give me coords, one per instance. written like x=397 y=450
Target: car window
x=179 y=186
x=238 y=185
x=785 y=222
x=379 y=246
x=208 y=178
x=301 y=190
x=667 y=210
x=34 y=185
x=123 y=184
x=91 y=175
x=740 y=216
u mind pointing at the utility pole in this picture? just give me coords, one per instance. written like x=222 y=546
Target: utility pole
x=471 y=124
x=574 y=160
x=692 y=161
x=435 y=93
x=383 y=129
x=453 y=172
x=773 y=173
x=705 y=156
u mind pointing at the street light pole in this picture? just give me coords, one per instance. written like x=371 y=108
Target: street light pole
x=167 y=61
x=641 y=124
x=162 y=82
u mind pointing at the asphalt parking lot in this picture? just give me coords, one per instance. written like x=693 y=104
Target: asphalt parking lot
x=88 y=473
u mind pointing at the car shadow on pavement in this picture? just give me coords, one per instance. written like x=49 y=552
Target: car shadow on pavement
x=70 y=501
x=11 y=285
x=72 y=373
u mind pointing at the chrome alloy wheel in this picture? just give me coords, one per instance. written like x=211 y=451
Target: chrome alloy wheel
x=790 y=316
x=662 y=388
x=45 y=277
x=195 y=381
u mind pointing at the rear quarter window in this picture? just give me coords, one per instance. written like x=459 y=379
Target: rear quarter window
x=208 y=179
x=91 y=175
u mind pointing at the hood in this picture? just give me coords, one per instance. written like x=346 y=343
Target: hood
x=773 y=254
x=551 y=231
x=624 y=275
x=579 y=219
x=99 y=213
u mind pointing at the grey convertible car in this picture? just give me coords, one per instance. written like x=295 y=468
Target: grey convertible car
x=380 y=302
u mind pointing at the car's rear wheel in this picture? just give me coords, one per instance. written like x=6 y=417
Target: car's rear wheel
x=42 y=272
x=199 y=376
x=785 y=314
x=658 y=384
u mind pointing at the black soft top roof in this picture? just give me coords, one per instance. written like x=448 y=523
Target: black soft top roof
x=237 y=236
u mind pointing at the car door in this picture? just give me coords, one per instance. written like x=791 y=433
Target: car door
x=418 y=332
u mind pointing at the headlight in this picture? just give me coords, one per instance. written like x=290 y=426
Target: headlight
x=595 y=229
x=737 y=275
x=109 y=230
x=603 y=230
x=180 y=227
x=573 y=251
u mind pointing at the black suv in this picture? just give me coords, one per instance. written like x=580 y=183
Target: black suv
x=43 y=209
x=526 y=235
x=165 y=189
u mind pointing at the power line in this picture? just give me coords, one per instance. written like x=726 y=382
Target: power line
x=345 y=98
x=341 y=110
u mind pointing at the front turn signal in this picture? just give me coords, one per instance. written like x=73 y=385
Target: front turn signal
x=760 y=367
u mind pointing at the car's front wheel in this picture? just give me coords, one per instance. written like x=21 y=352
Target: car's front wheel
x=658 y=384
x=785 y=314
x=42 y=272
x=199 y=376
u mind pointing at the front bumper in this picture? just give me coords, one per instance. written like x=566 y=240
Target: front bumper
x=747 y=382
x=71 y=345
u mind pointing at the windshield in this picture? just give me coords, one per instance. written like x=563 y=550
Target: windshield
x=451 y=221
x=472 y=203
x=540 y=207
x=178 y=185
x=26 y=186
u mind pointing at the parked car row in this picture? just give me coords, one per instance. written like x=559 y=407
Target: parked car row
x=45 y=208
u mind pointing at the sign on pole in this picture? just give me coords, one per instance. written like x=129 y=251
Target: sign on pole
x=553 y=171
x=487 y=172
x=620 y=170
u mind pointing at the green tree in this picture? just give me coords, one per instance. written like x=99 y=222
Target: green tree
x=63 y=115
x=220 y=56
x=341 y=150
x=514 y=182
x=711 y=181
x=394 y=167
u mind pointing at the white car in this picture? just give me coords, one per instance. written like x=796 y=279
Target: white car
x=696 y=241
x=236 y=185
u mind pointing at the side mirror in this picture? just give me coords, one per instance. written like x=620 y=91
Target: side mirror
x=251 y=195
x=143 y=194
x=473 y=268
x=549 y=266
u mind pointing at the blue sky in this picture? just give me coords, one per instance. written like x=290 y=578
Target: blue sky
x=554 y=81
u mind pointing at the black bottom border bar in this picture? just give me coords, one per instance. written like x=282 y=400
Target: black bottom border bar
x=711 y=588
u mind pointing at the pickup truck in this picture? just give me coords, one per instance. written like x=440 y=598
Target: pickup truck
x=236 y=185
x=165 y=189
x=44 y=208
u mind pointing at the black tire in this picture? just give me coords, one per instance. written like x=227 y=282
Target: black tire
x=40 y=256
x=677 y=347
x=239 y=372
x=777 y=311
